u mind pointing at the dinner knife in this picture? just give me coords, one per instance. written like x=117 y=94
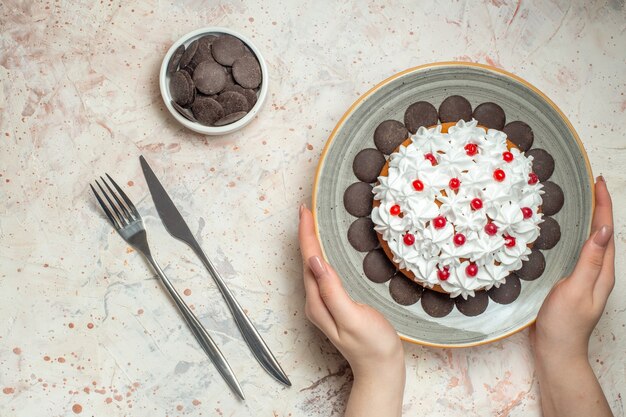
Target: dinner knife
x=177 y=227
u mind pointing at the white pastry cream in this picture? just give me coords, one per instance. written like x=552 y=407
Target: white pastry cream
x=458 y=209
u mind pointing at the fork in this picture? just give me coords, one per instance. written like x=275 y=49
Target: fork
x=126 y=220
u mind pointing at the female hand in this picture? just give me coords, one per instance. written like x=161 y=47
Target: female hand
x=566 y=319
x=362 y=335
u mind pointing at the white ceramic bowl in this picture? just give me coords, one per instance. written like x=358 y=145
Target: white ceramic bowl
x=164 y=83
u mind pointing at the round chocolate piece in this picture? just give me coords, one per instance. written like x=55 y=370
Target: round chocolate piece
x=230 y=118
x=362 y=236
x=203 y=53
x=507 y=292
x=455 y=108
x=227 y=49
x=552 y=198
x=358 y=199
x=367 y=164
x=250 y=96
x=233 y=102
x=404 y=291
x=533 y=267
x=436 y=304
x=209 y=77
x=520 y=134
x=189 y=53
x=543 y=163
x=549 y=234
x=389 y=135
x=185 y=112
x=207 y=110
x=182 y=88
x=172 y=66
x=247 y=72
x=419 y=114
x=473 y=306
x=377 y=267
x=490 y=115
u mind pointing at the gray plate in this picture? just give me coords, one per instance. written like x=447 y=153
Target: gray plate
x=433 y=83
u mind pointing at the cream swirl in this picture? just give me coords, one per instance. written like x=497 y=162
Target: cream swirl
x=458 y=183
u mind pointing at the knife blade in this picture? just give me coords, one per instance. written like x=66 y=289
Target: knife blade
x=178 y=228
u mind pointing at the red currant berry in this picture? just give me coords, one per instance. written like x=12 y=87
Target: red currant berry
x=507 y=156
x=431 y=158
x=409 y=239
x=471 y=149
x=439 y=222
x=477 y=204
x=527 y=212
x=491 y=229
x=418 y=185
x=454 y=183
x=471 y=270
x=394 y=210
x=444 y=273
x=533 y=178
x=459 y=239
x=499 y=175
x=509 y=241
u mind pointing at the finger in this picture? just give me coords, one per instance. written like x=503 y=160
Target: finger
x=603 y=212
x=331 y=290
x=591 y=258
x=317 y=311
x=606 y=279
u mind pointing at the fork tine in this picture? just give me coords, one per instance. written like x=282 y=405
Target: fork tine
x=119 y=202
x=105 y=208
x=121 y=218
x=129 y=203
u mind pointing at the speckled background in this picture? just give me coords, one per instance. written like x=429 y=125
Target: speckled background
x=86 y=327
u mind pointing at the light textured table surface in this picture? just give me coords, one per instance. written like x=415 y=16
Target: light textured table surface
x=86 y=328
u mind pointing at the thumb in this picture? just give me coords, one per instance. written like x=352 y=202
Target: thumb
x=337 y=300
x=591 y=258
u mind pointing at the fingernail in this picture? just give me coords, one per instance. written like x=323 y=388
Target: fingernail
x=317 y=266
x=600 y=178
x=603 y=236
x=302 y=207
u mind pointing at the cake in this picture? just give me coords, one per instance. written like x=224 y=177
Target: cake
x=457 y=207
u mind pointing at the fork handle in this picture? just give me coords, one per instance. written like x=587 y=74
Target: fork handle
x=201 y=334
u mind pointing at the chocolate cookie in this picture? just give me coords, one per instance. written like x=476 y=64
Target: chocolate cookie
x=358 y=199
x=421 y=113
x=490 y=115
x=230 y=118
x=549 y=234
x=404 y=291
x=172 y=66
x=552 y=197
x=508 y=292
x=533 y=267
x=233 y=102
x=247 y=72
x=543 y=163
x=209 y=77
x=189 y=53
x=520 y=134
x=361 y=235
x=367 y=164
x=207 y=110
x=227 y=49
x=455 y=108
x=377 y=267
x=389 y=135
x=182 y=88
x=473 y=306
x=436 y=304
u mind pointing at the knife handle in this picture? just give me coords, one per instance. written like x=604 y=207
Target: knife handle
x=201 y=334
x=250 y=334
